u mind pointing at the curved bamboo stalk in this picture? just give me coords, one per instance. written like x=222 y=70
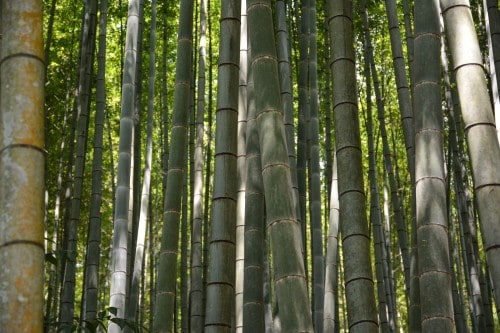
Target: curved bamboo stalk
x=284 y=229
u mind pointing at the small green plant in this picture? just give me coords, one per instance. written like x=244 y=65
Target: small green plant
x=92 y=326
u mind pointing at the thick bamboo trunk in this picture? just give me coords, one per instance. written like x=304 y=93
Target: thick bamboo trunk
x=284 y=229
x=479 y=123
x=358 y=275
x=120 y=244
x=22 y=165
x=253 y=295
x=432 y=219
x=222 y=249
x=138 y=264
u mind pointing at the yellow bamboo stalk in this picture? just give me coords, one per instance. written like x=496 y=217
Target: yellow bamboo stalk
x=21 y=167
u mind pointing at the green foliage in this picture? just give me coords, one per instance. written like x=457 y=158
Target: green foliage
x=97 y=325
x=61 y=77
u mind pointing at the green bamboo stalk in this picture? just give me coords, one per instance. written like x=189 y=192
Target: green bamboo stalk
x=241 y=172
x=284 y=65
x=318 y=266
x=94 y=235
x=375 y=211
x=138 y=261
x=120 y=246
x=222 y=248
x=284 y=229
x=167 y=258
x=358 y=275
x=469 y=260
x=331 y=322
x=196 y=290
x=432 y=221
x=455 y=264
x=136 y=165
x=395 y=195
x=404 y=100
x=479 y=124
x=83 y=108
x=182 y=307
x=492 y=27
x=303 y=111
x=253 y=295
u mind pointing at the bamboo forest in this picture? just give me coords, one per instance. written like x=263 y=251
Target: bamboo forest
x=249 y=166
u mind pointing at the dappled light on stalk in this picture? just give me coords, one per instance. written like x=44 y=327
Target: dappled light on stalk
x=431 y=214
x=283 y=227
x=479 y=129
x=120 y=246
x=241 y=171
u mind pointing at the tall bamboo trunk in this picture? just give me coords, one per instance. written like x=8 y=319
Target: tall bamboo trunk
x=222 y=249
x=318 y=266
x=479 y=123
x=492 y=22
x=196 y=291
x=303 y=111
x=167 y=258
x=22 y=161
x=241 y=171
x=404 y=102
x=471 y=268
x=138 y=261
x=284 y=229
x=120 y=246
x=94 y=234
x=432 y=221
x=353 y=221
x=253 y=295
x=331 y=322
x=375 y=211
x=83 y=108
x=395 y=195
